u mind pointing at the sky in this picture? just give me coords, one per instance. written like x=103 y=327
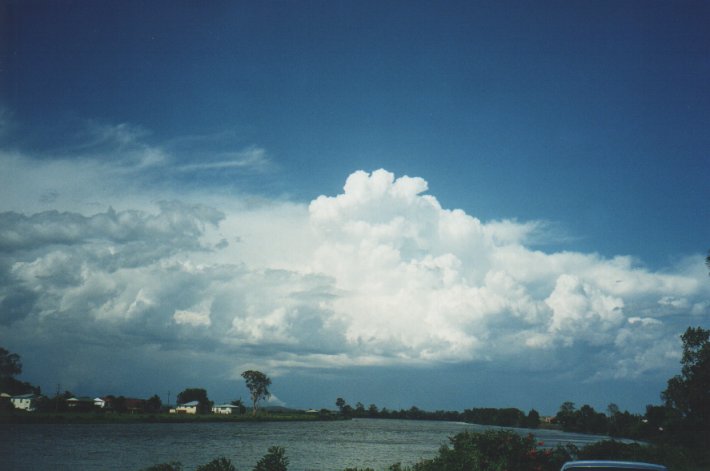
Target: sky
x=441 y=204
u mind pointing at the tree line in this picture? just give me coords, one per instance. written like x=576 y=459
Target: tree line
x=683 y=417
x=506 y=417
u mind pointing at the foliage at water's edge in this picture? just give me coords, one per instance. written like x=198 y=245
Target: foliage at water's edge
x=493 y=450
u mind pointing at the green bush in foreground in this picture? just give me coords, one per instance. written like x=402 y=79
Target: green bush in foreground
x=219 y=464
x=494 y=450
x=174 y=466
x=274 y=460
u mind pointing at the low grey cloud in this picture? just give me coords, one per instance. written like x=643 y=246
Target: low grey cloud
x=175 y=226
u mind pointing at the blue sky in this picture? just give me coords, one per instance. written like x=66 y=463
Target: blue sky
x=524 y=219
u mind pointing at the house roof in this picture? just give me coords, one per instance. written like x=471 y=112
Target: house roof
x=80 y=399
x=25 y=396
x=190 y=404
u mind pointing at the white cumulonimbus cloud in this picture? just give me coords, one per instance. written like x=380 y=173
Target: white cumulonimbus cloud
x=380 y=274
x=418 y=282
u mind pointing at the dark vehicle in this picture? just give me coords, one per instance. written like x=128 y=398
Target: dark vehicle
x=599 y=465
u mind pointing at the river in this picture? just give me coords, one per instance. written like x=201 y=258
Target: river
x=310 y=446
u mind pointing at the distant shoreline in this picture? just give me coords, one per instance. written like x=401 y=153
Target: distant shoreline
x=90 y=418
x=166 y=418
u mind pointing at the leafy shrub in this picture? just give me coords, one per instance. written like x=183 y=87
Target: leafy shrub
x=173 y=466
x=494 y=450
x=217 y=464
x=274 y=460
x=394 y=467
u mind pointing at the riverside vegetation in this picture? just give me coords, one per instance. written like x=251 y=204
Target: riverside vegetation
x=677 y=432
x=274 y=460
x=493 y=450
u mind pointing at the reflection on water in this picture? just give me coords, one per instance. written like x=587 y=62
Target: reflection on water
x=323 y=446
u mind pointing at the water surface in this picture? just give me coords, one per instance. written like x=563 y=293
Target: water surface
x=322 y=446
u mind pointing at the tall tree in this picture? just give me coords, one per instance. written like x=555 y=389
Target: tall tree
x=533 y=419
x=274 y=460
x=612 y=410
x=566 y=416
x=360 y=409
x=10 y=364
x=154 y=404
x=373 y=411
x=258 y=384
x=340 y=403
x=689 y=392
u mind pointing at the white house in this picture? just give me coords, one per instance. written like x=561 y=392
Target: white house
x=225 y=409
x=100 y=402
x=26 y=402
x=187 y=408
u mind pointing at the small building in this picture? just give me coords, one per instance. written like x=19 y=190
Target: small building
x=101 y=402
x=82 y=404
x=187 y=408
x=225 y=409
x=26 y=402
